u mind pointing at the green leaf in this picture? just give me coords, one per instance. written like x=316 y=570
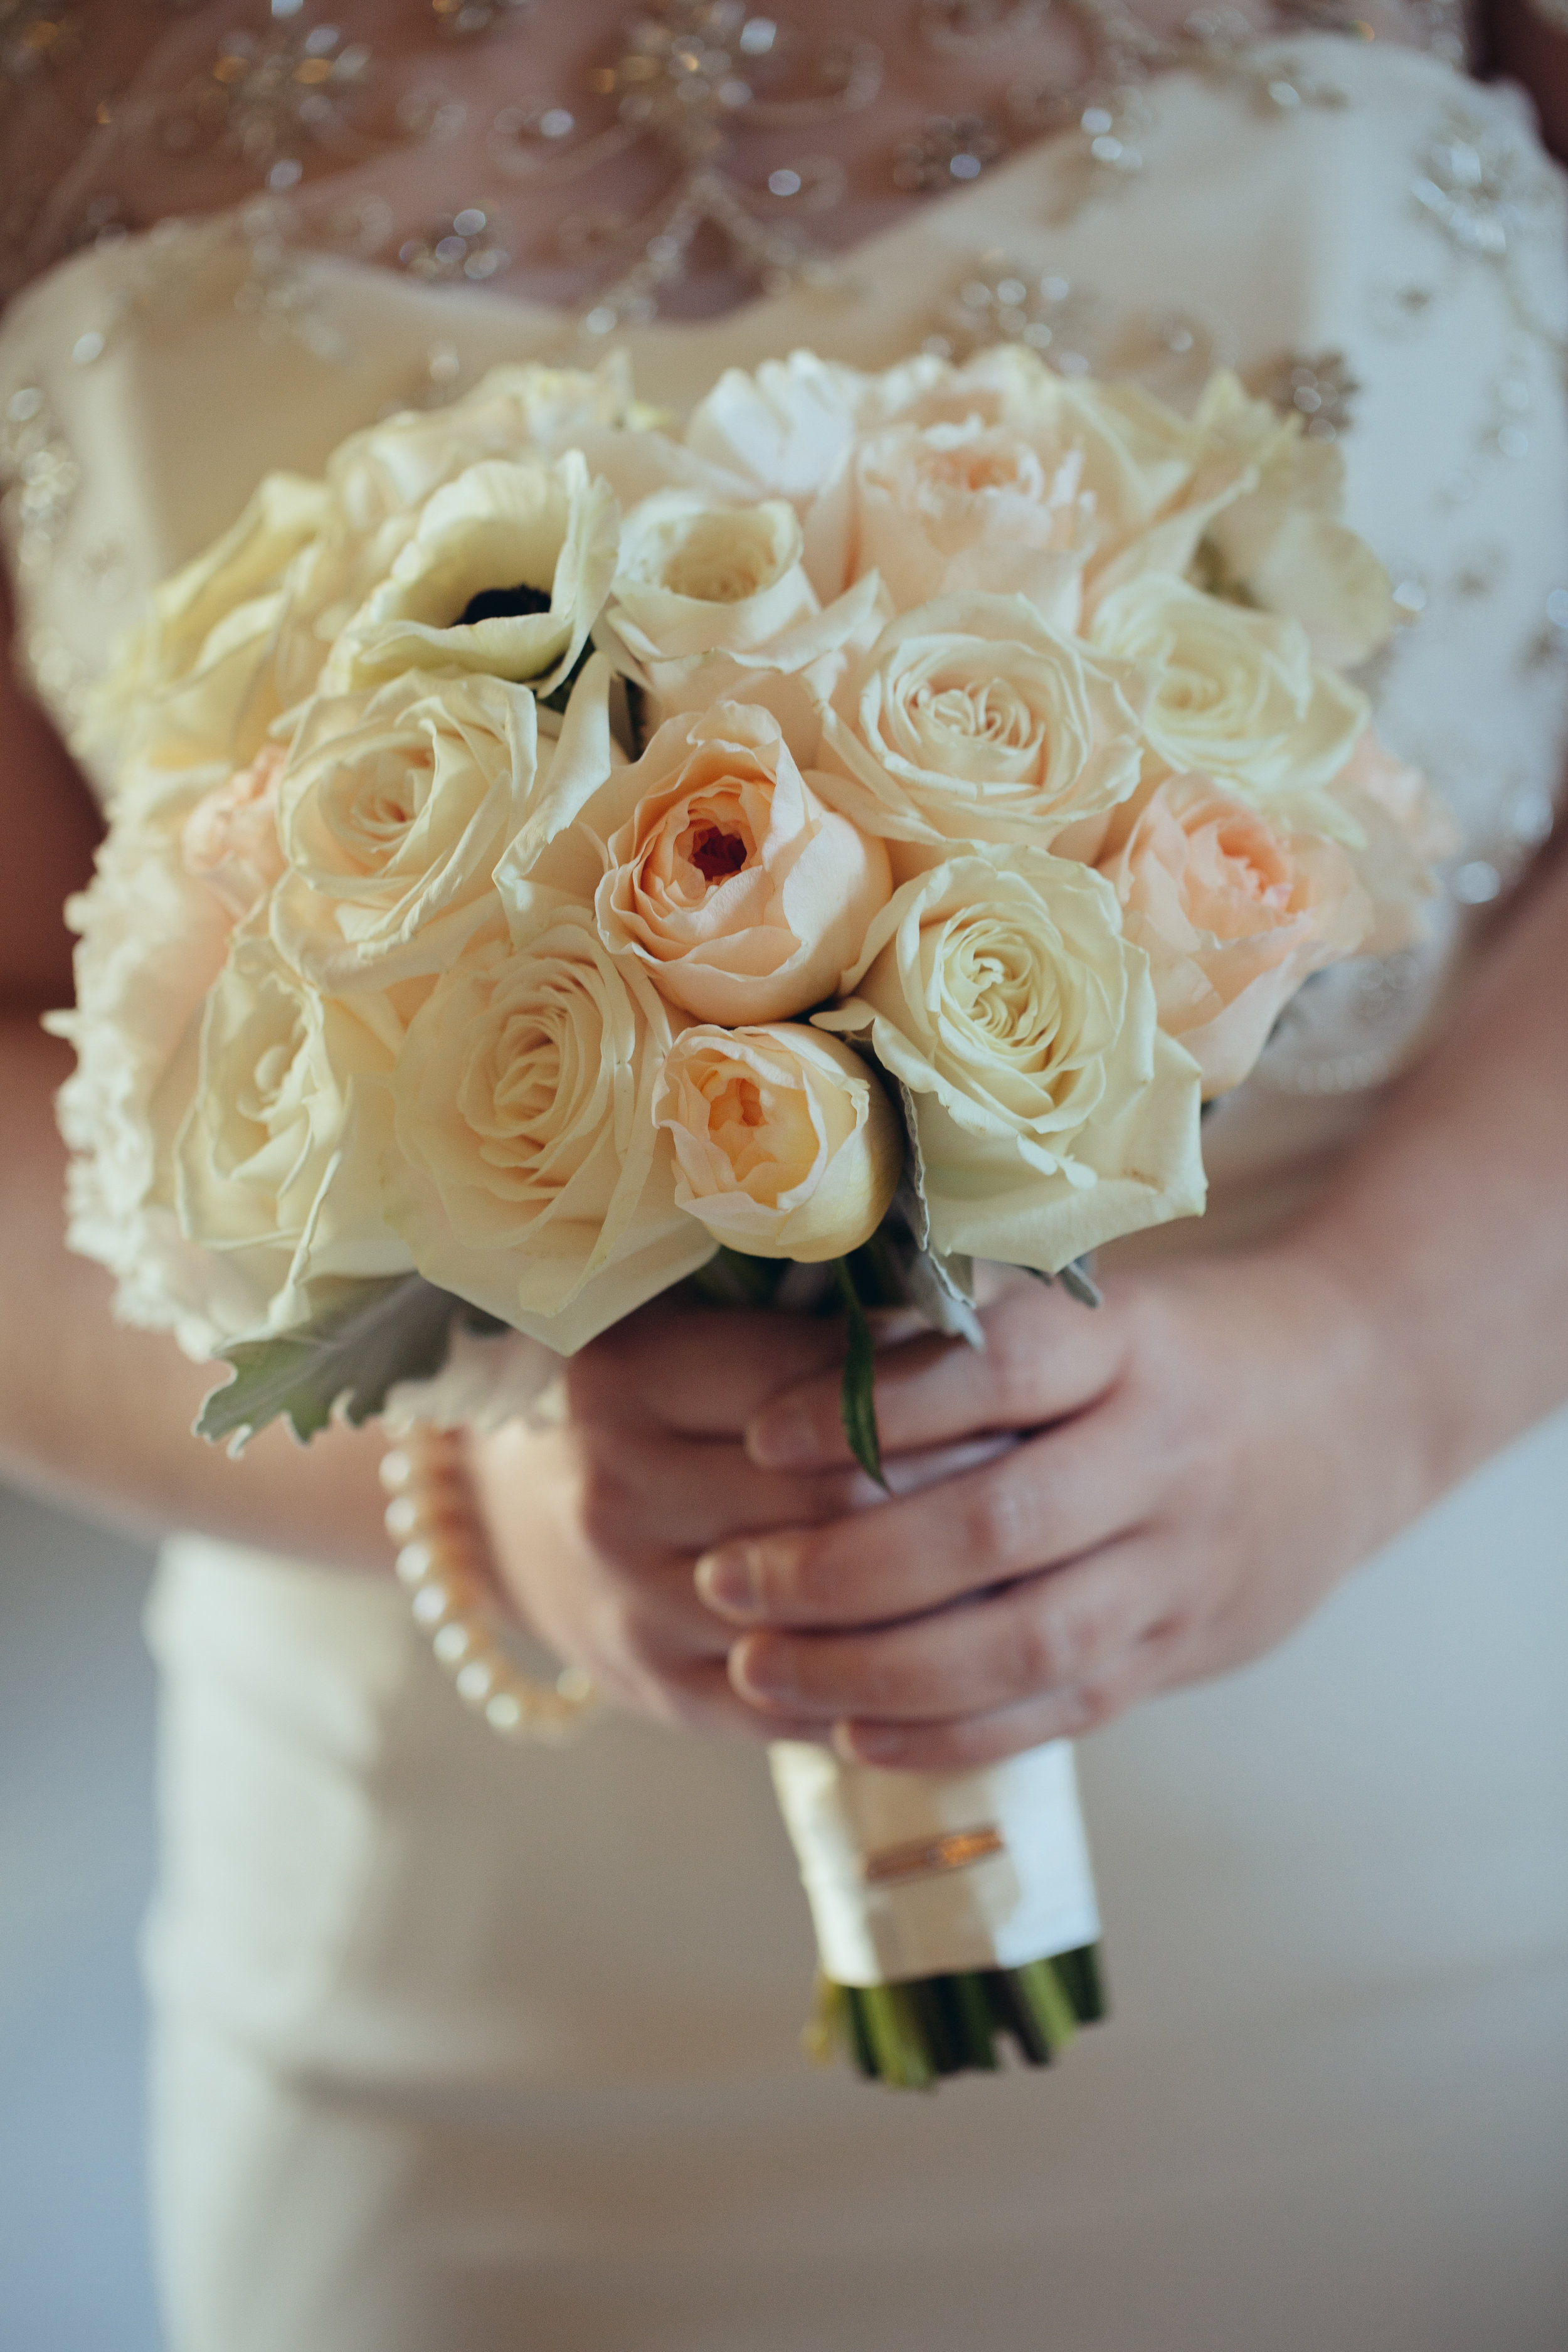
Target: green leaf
x=370 y=1335
x=857 y=1394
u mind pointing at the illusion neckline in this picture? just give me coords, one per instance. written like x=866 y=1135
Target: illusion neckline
x=552 y=322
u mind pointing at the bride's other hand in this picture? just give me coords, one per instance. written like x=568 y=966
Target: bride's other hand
x=598 y=1516
x=1202 y=1459
x=1210 y=1452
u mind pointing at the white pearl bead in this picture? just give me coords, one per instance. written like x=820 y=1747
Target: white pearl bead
x=455 y=1640
x=478 y=1680
x=505 y=1713
x=417 y=1563
x=403 y=1518
x=396 y=1470
x=443 y=1557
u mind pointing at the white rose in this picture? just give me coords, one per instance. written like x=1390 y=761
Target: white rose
x=395 y=806
x=1050 y=1112
x=279 y=1156
x=787 y=1145
x=945 y=507
x=1235 y=694
x=530 y=1177
x=972 y=719
x=785 y=427
x=707 y=593
x=153 y=936
x=504 y=572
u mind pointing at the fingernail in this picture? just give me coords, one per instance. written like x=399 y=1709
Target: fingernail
x=760 y=1669
x=785 y=1439
x=727 y=1579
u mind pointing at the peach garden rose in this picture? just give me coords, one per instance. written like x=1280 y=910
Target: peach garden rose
x=710 y=861
x=787 y=1143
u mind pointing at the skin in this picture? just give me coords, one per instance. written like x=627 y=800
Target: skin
x=1109 y=1505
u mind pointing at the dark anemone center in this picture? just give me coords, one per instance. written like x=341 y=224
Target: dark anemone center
x=502 y=604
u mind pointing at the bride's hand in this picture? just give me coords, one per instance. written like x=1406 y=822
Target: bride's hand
x=1205 y=1456
x=597 y=1520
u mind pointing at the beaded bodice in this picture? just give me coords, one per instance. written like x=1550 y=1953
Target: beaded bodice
x=668 y=159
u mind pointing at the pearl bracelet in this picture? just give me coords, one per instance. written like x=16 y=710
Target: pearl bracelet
x=444 y=1558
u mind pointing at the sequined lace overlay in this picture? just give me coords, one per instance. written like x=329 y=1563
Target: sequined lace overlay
x=694 y=141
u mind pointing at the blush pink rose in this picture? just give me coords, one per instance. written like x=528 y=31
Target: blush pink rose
x=230 y=840
x=1233 y=915
x=742 y=894
x=1407 y=831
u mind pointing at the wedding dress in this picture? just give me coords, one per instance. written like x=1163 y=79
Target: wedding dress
x=463 y=2046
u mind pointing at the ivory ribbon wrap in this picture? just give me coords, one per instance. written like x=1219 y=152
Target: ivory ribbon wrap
x=924 y=1874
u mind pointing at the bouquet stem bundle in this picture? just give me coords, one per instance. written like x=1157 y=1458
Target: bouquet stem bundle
x=911 y=2035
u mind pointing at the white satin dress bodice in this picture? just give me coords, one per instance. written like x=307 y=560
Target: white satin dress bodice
x=471 y=2048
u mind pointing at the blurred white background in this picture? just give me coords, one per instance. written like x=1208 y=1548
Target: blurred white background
x=76 y=1867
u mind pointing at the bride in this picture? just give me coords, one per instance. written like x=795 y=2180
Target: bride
x=461 y=2045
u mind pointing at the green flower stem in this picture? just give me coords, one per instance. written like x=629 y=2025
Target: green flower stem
x=911 y=2035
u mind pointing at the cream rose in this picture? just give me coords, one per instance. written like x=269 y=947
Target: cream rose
x=786 y=1144
x=1050 y=1112
x=279 y=1156
x=504 y=572
x=706 y=592
x=393 y=467
x=971 y=719
x=153 y=936
x=785 y=427
x=1281 y=541
x=1235 y=694
x=395 y=806
x=529 y=1178
x=1233 y=916
x=710 y=861
x=945 y=507
x=196 y=682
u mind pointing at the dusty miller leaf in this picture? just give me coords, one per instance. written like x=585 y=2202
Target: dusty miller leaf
x=950 y=1276
x=1077 y=1279
x=368 y=1337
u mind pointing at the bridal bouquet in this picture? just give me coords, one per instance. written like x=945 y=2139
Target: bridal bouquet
x=562 y=853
